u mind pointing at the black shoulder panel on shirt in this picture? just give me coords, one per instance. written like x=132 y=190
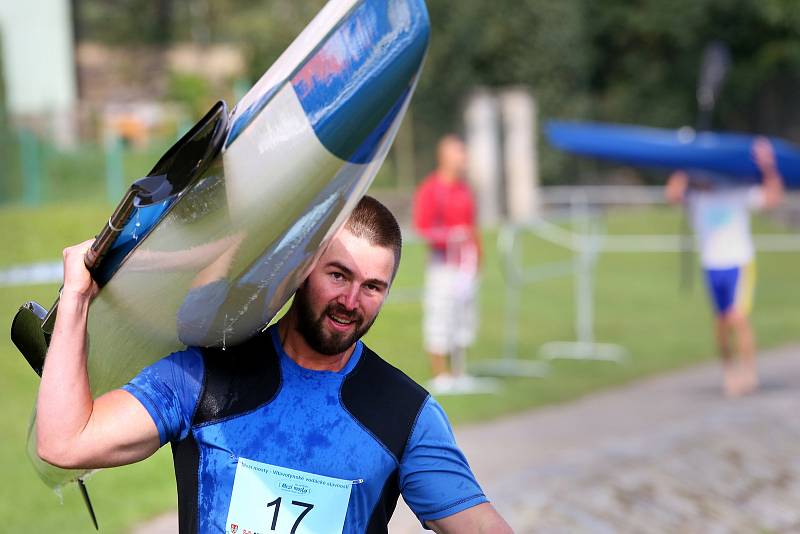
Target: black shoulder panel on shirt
x=384 y=400
x=238 y=379
x=387 y=403
x=186 y=457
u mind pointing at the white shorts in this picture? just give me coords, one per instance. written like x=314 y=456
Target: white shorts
x=450 y=317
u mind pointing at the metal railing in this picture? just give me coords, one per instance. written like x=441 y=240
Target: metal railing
x=573 y=222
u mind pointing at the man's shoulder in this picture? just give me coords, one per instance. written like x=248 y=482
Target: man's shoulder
x=427 y=184
x=187 y=356
x=188 y=361
x=383 y=399
x=372 y=366
x=238 y=379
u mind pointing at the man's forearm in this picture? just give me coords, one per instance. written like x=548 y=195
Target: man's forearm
x=772 y=181
x=480 y=519
x=495 y=525
x=64 y=404
x=773 y=187
x=675 y=190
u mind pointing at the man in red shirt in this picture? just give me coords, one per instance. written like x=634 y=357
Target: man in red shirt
x=444 y=215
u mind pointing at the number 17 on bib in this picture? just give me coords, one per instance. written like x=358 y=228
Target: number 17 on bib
x=269 y=499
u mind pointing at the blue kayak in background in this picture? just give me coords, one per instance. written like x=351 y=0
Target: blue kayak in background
x=721 y=156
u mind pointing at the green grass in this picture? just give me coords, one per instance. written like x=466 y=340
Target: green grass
x=65 y=175
x=121 y=497
x=76 y=174
x=637 y=305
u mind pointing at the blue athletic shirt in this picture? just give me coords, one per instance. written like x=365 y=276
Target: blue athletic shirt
x=305 y=426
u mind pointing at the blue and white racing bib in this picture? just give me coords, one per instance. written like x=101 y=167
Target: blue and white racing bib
x=271 y=499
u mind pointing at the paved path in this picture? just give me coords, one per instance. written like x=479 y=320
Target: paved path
x=663 y=455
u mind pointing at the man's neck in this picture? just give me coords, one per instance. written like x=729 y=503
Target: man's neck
x=446 y=175
x=296 y=347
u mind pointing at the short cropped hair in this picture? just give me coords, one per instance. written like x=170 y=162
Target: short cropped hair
x=373 y=221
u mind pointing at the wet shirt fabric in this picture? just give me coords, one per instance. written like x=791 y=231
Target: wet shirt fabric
x=314 y=426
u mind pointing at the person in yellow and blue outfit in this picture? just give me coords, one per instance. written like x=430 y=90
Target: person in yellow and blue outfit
x=720 y=215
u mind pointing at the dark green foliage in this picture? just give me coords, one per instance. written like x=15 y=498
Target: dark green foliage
x=646 y=57
x=192 y=91
x=126 y=21
x=538 y=43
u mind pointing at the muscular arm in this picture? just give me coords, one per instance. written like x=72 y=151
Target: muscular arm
x=480 y=519
x=72 y=429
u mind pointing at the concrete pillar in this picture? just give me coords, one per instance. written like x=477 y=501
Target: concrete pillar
x=483 y=146
x=520 y=155
x=39 y=64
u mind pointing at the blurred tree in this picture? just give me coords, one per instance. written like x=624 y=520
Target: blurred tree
x=126 y=21
x=538 y=43
x=764 y=36
x=646 y=58
x=192 y=91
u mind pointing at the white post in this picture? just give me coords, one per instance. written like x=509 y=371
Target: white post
x=584 y=301
x=483 y=146
x=521 y=159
